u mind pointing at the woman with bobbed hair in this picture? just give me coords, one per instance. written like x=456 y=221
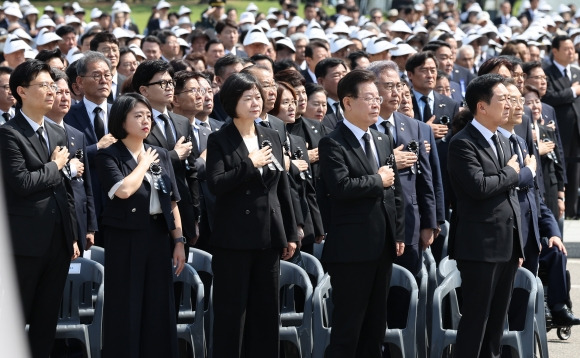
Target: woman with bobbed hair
x=143 y=236
x=254 y=224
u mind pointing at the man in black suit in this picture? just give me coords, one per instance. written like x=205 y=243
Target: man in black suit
x=445 y=58
x=367 y=220
x=505 y=15
x=328 y=72
x=40 y=210
x=77 y=170
x=107 y=44
x=224 y=68
x=90 y=116
x=315 y=52
x=563 y=94
x=485 y=235
x=533 y=11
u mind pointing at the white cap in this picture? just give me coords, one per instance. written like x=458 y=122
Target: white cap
x=317 y=33
x=71 y=19
x=124 y=8
x=339 y=44
x=137 y=51
x=181 y=31
x=183 y=10
x=557 y=18
x=13 y=11
x=183 y=43
x=514 y=22
x=163 y=5
x=563 y=8
x=31 y=10
x=577 y=14
x=505 y=32
x=121 y=33
x=252 y=7
x=45 y=37
x=443 y=26
x=96 y=13
x=544 y=7
x=49 y=8
x=340 y=28
x=343 y=18
x=22 y=34
x=79 y=10
x=184 y=20
x=273 y=33
x=45 y=21
x=271 y=17
x=572 y=32
x=14 y=43
x=475 y=7
x=74 y=55
x=488 y=28
x=363 y=34
x=296 y=21
x=282 y=23
x=470 y=38
x=286 y=42
x=247 y=18
x=400 y=26
x=378 y=45
x=264 y=25
x=273 y=10
x=420 y=29
x=30 y=54
x=362 y=20
x=256 y=35
x=483 y=16
x=402 y=50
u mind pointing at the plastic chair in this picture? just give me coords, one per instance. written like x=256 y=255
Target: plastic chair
x=540 y=320
x=446 y=266
x=299 y=334
x=322 y=316
x=432 y=284
x=82 y=272
x=404 y=338
x=201 y=262
x=523 y=341
x=422 y=323
x=441 y=337
x=192 y=332
x=313 y=267
x=445 y=231
x=98 y=254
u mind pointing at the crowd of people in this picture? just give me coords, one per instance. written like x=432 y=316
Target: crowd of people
x=256 y=137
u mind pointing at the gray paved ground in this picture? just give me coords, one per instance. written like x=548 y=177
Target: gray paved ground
x=571 y=347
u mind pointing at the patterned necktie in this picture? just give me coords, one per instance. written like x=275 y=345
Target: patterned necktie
x=369 y=153
x=427 y=111
x=168 y=132
x=98 y=123
x=43 y=144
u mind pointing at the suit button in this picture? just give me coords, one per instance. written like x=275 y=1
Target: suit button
x=273 y=211
x=248 y=192
x=133 y=210
x=247 y=212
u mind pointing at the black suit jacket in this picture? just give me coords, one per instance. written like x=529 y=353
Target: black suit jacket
x=330 y=121
x=35 y=190
x=549 y=114
x=560 y=96
x=487 y=208
x=120 y=80
x=252 y=211
x=312 y=131
x=185 y=174
x=365 y=217
x=306 y=76
x=219 y=112
x=462 y=76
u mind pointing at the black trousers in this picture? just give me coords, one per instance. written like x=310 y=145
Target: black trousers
x=246 y=303
x=359 y=295
x=41 y=281
x=486 y=290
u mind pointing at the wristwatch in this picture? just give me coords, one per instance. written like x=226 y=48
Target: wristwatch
x=180 y=239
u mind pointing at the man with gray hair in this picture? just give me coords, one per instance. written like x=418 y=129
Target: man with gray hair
x=300 y=41
x=90 y=116
x=466 y=58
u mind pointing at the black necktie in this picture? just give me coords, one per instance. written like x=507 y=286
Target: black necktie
x=566 y=73
x=98 y=123
x=389 y=131
x=339 y=116
x=369 y=153
x=204 y=124
x=516 y=148
x=6 y=116
x=265 y=124
x=168 y=132
x=427 y=111
x=43 y=144
x=498 y=149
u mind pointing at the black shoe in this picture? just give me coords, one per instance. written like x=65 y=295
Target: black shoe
x=564 y=317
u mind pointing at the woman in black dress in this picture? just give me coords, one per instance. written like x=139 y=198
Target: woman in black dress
x=143 y=237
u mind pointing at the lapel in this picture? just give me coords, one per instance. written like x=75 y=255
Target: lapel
x=311 y=132
x=203 y=133
x=56 y=136
x=236 y=141
x=30 y=135
x=439 y=108
x=82 y=117
x=126 y=157
x=483 y=144
x=268 y=174
x=356 y=147
x=381 y=145
x=416 y=107
x=560 y=82
x=158 y=135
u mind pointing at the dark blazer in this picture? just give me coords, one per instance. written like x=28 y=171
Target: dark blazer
x=456 y=92
x=330 y=121
x=218 y=112
x=360 y=206
x=442 y=106
x=120 y=80
x=487 y=209
x=306 y=76
x=34 y=189
x=214 y=124
x=253 y=211
x=82 y=187
x=462 y=76
x=559 y=95
x=114 y=163
x=279 y=126
x=312 y=131
x=185 y=174
x=549 y=114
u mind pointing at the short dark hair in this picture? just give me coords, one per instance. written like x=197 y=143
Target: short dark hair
x=435 y=45
x=309 y=51
x=150 y=38
x=494 y=62
x=104 y=36
x=527 y=67
x=179 y=65
x=195 y=34
x=233 y=88
x=25 y=73
x=284 y=65
x=65 y=30
x=147 y=69
x=294 y=78
x=442 y=74
x=419 y=59
x=354 y=56
x=221 y=25
x=90 y=33
x=90 y=57
x=322 y=67
x=480 y=89
x=5 y=70
x=182 y=77
x=261 y=57
x=558 y=40
x=348 y=85
x=530 y=88
x=281 y=87
x=212 y=42
x=163 y=35
x=47 y=55
x=120 y=109
x=71 y=72
x=312 y=88
x=225 y=61
x=59 y=75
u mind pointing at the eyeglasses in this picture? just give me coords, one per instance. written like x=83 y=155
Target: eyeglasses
x=539 y=78
x=46 y=86
x=97 y=76
x=129 y=64
x=6 y=87
x=287 y=103
x=517 y=100
x=372 y=100
x=164 y=84
x=518 y=75
x=200 y=91
x=389 y=86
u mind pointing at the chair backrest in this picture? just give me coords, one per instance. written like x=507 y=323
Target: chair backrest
x=441 y=337
x=201 y=261
x=401 y=277
x=191 y=281
x=313 y=267
x=291 y=274
x=98 y=254
x=81 y=272
x=446 y=266
x=322 y=316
